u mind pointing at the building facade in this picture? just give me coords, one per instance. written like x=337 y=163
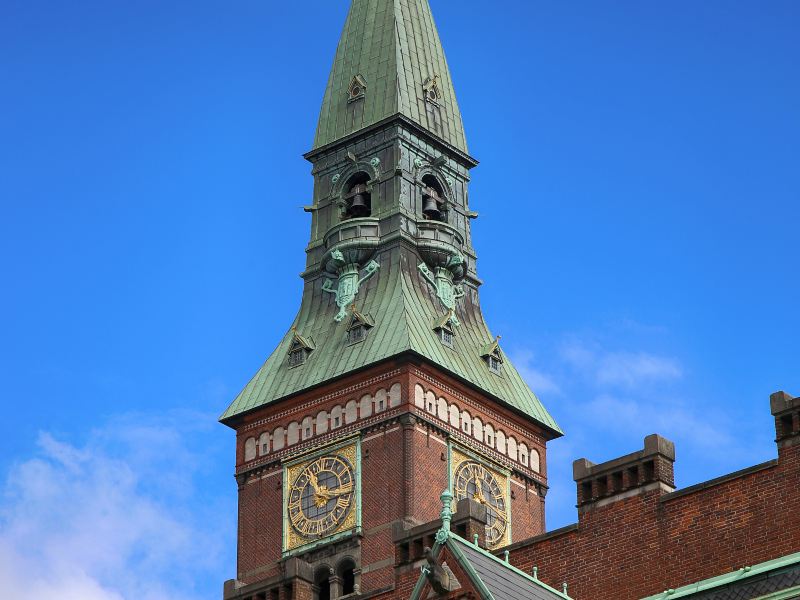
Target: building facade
x=389 y=388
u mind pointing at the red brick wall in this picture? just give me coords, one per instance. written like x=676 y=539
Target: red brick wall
x=404 y=467
x=650 y=542
x=260 y=517
x=527 y=508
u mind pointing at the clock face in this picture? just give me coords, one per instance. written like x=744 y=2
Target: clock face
x=472 y=480
x=321 y=496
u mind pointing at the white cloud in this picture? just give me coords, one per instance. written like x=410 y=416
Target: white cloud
x=670 y=418
x=628 y=369
x=537 y=379
x=113 y=518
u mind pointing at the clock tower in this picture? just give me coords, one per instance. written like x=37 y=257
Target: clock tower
x=389 y=386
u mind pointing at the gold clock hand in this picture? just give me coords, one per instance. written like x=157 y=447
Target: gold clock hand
x=478 y=491
x=341 y=491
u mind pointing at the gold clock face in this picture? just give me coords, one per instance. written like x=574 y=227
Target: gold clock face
x=321 y=496
x=472 y=480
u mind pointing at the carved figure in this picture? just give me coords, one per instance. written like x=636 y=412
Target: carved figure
x=349 y=282
x=438 y=577
x=442 y=280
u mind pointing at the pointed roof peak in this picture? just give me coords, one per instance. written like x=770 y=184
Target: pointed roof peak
x=390 y=62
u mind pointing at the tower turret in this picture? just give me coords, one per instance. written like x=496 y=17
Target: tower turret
x=388 y=387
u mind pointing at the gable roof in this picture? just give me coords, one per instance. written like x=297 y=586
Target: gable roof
x=394 y=48
x=772 y=577
x=495 y=579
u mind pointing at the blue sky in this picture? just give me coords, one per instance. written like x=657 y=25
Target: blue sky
x=638 y=196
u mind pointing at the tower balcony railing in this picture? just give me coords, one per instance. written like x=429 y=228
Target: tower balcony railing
x=440 y=232
x=365 y=228
x=438 y=242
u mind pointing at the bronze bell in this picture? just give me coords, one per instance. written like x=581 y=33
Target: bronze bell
x=359 y=207
x=430 y=204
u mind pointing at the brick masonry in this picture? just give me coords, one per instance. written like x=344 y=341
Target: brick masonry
x=404 y=468
x=639 y=541
x=635 y=536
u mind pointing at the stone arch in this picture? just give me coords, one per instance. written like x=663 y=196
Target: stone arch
x=263 y=443
x=500 y=441
x=346 y=570
x=278 y=438
x=455 y=416
x=466 y=422
x=535 y=466
x=395 y=393
x=381 y=400
x=293 y=433
x=366 y=406
x=477 y=429
x=512 y=448
x=350 y=411
x=337 y=417
x=488 y=435
x=250 y=448
x=430 y=402
x=322 y=421
x=322 y=582
x=307 y=427
x=441 y=409
x=523 y=453
x=419 y=396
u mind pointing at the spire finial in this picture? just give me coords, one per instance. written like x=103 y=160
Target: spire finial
x=447 y=515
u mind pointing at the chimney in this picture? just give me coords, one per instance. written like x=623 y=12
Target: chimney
x=786 y=411
x=648 y=469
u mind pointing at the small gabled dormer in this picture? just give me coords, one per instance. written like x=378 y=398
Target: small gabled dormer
x=431 y=90
x=445 y=329
x=357 y=88
x=493 y=356
x=299 y=350
x=358 y=327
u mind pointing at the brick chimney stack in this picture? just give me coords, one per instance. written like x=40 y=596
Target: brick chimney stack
x=648 y=469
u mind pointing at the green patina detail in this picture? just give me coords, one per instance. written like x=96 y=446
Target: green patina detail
x=349 y=282
x=453 y=542
x=403 y=312
x=734 y=577
x=393 y=46
x=442 y=280
x=446 y=515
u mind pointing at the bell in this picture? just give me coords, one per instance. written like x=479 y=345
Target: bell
x=359 y=207
x=430 y=204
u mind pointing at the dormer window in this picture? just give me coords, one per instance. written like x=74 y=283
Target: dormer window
x=445 y=329
x=356 y=334
x=358 y=327
x=431 y=90
x=433 y=200
x=357 y=199
x=493 y=356
x=446 y=336
x=357 y=89
x=299 y=350
x=297 y=357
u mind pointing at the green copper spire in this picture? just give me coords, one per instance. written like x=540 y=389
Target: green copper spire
x=390 y=62
x=390 y=267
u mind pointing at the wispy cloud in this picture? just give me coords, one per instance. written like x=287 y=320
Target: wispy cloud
x=539 y=381
x=115 y=517
x=614 y=368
